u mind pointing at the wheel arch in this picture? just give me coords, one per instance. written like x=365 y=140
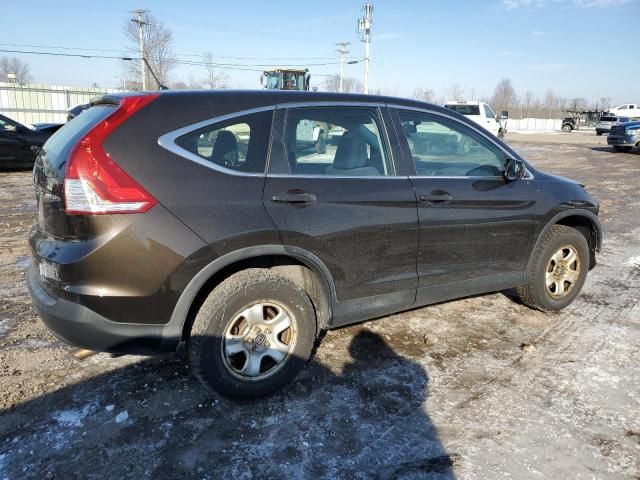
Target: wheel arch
x=585 y=221
x=303 y=268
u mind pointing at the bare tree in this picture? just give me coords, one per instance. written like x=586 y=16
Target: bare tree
x=604 y=103
x=527 y=104
x=423 y=94
x=455 y=91
x=550 y=104
x=504 y=96
x=179 y=85
x=215 y=78
x=158 y=41
x=332 y=83
x=352 y=85
x=15 y=66
x=578 y=104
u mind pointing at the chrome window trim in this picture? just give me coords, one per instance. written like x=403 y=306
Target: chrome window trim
x=528 y=174
x=168 y=141
x=329 y=103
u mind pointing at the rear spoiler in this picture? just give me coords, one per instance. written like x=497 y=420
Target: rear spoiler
x=113 y=98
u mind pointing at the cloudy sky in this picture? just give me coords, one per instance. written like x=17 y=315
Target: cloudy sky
x=578 y=48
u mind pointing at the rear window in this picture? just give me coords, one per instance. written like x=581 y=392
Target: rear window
x=465 y=109
x=607 y=119
x=56 y=151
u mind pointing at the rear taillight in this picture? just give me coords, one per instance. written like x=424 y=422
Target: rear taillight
x=94 y=183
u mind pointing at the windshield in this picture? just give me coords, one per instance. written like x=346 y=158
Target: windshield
x=465 y=109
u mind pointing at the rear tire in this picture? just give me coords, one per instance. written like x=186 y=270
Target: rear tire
x=557 y=270
x=598 y=133
x=239 y=346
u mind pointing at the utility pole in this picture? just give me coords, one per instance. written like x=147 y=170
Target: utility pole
x=143 y=71
x=364 y=28
x=343 y=51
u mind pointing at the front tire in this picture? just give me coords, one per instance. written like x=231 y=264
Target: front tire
x=567 y=128
x=557 y=270
x=252 y=335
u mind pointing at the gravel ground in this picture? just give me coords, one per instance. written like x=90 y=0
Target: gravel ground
x=480 y=388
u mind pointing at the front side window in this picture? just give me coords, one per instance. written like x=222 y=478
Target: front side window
x=488 y=112
x=444 y=148
x=239 y=144
x=336 y=141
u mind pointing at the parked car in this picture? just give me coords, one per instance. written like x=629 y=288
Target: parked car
x=479 y=112
x=76 y=110
x=631 y=110
x=147 y=239
x=607 y=121
x=624 y=136
x=19 y=143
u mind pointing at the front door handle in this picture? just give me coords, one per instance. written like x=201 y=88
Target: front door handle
x=439 y=197
x=294 y=197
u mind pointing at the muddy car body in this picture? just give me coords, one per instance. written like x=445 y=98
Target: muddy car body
x=247 y=247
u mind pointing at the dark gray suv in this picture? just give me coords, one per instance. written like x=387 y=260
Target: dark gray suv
x=209 y=219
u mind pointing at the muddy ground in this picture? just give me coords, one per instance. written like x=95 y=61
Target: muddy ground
x=481 y=388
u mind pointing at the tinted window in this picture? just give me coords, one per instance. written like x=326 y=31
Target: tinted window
x=441 y=147
x=488 y=112
x=338 y=141
x=465 y=109
x=607 y=119
x=7 y=125
x=623 y=119
x=239 y=144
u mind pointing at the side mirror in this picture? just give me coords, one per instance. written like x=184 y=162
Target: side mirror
x=515 y=170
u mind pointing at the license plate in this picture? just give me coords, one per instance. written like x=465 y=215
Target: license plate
x=48 y=271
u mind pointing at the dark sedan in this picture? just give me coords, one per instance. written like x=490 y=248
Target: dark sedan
x=19 y=143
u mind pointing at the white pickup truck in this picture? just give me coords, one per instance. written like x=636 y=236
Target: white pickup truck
x=631 y=110
x=480 y=113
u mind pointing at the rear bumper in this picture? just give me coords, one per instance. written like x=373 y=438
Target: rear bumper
x=82 y=327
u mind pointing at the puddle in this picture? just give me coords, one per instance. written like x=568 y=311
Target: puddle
x=22 y=262
x=25 y=207
x=5 y=324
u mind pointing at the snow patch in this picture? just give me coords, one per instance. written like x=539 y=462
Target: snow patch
x=635 y=261
x=73 y=418
x=122 y=417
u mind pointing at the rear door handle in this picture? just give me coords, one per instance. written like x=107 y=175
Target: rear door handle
x=294 y=197
x=436 y=198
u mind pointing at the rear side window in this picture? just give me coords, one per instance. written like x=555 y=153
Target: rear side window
x=465 y=109
x=57 y=149
x=240 y=144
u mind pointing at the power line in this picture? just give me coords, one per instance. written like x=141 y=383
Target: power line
x=233 y=66
x=60 y=47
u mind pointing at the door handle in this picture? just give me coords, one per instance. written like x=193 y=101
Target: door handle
x=436 y=198
x=294 y=197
